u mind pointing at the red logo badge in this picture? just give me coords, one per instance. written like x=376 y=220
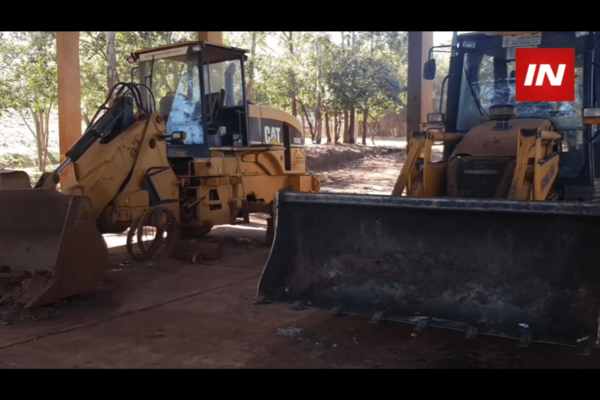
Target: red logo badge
x=545 y=74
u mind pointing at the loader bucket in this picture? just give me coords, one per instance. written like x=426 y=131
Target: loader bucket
x=42 y=230
x=504 y=268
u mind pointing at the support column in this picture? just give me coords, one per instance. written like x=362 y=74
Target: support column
x=69 y=93
x=420 y=92
x=211 y=37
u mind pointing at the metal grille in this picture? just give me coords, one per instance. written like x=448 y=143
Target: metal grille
x=483 y=178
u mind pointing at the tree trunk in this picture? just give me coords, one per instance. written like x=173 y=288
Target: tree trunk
x=38 y=139
x=85 y=119
x=113 y=76
x=294 y=107
x=251 y=58
x=351 y=128
x=47 y=136
x=290 y=42
x=303 y=129
x=250 y=86
x=346 y=139
x=310 y=125
x=375 y=129
x=250 y=93
x=365 y=119
x=337 y=123
x=318 y=120
x=320 y=131
x=41 y=135
x=327 y=128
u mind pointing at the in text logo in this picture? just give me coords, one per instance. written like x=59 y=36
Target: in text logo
x=545 y=74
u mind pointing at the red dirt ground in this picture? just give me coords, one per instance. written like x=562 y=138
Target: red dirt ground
x=174 y=314
x=180 y=315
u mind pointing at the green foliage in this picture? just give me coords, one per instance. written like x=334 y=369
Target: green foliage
x=306 y=73
x=368 y=65
x=29 y=77
x=28 y=64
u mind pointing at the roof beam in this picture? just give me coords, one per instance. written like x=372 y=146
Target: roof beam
x=211 y=37
x=420 y=91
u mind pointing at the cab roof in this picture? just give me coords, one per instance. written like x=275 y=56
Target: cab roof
x=212 y=53
x=500 y=33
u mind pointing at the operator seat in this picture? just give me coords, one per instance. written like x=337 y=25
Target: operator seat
x=166 y=103
x=215 y=102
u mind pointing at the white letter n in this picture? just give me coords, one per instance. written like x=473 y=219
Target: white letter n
x=530 y=74
x=545 y=70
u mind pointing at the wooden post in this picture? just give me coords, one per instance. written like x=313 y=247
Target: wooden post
x=420 y=92
x=69 y=93
x=211 y=37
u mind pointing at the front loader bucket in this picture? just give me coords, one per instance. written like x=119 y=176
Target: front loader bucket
x=42 y=229
x=504 y=268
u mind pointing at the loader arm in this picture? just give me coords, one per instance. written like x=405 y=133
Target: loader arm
x=420 y=176
x=117 y=118
x=56 y=236
x=112 y=157
x=537 y=165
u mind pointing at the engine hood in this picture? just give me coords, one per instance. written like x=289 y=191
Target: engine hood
x=485 y=140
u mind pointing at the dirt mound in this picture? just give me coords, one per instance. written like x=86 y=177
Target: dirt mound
x=17 y=288
x=324 y=157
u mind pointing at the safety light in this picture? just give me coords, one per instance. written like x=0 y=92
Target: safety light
x=591 y=116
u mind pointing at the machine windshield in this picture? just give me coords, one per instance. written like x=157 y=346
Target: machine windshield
x=176 y=88
x=175 y=84
x=225 y=79
x=488 y=78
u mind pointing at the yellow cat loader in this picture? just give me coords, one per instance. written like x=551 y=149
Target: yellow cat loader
x=498 y=237
x=201 y=157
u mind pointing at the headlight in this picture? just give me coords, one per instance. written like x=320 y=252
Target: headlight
x=435 y=118
x=591 y=112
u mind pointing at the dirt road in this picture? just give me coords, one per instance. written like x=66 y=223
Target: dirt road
x=179 y=315
x=373 y=175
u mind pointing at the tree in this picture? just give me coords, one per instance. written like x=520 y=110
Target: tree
x=362 y=81
x=323 y=82
x=28 y=62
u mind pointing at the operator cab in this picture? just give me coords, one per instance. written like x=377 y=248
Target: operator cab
x=483 y=75
x=199 y=89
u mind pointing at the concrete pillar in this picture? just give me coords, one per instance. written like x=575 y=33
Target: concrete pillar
x=211 y=37
x=69 y=92
x=420 y=92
